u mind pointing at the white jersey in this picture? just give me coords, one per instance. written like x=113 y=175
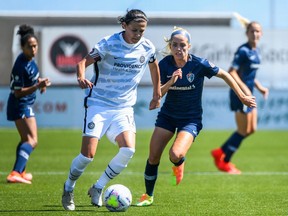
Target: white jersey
x=119 y=72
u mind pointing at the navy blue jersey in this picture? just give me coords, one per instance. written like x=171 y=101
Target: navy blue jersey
x=246 y=62
x=24 y=74
x=184 y=98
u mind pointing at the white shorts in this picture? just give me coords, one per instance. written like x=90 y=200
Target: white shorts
x=105 y=120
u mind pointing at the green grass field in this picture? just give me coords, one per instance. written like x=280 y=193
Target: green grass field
x=262 y=189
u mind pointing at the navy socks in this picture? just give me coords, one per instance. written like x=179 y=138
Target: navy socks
x=231 y=145
x=23 y=152
x=150 y=175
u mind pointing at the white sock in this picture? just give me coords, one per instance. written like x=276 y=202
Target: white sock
x=116 y=165
x=77 y=168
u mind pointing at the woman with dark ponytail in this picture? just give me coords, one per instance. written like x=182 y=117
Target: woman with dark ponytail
x=119 y=61
x=24 y=83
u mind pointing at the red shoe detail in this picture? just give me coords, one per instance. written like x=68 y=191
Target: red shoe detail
x=218 y=156
x=228 y=167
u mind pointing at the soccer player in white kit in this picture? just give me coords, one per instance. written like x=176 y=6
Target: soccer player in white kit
x=119 y=61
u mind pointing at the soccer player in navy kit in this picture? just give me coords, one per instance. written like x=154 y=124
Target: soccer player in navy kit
x=120 y=61
x=244 y=66
x=24 y=83
x=182 y=77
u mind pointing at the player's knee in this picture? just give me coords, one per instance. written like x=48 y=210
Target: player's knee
x=153 y=160
x=175 y=155
x=250 y=131
x=32 y=141
x=253 y=130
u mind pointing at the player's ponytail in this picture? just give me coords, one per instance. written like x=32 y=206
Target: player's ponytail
x=244 y=22
x=25 y=32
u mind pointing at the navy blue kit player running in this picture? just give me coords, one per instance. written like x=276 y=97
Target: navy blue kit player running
x=244 y=67
x=182 y=78
x=24 y=83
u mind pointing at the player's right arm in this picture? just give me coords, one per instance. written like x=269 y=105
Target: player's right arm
x=248 y=100
x=241 y=84
x=80 y=69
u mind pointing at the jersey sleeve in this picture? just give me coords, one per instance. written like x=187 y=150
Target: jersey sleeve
x=210 y=69
x=163 y=71
x=153 y=51
x=17 y=79
x=238 y=59
x=152 y=58
x=99 y=50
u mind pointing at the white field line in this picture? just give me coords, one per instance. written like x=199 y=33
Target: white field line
x=186 y=173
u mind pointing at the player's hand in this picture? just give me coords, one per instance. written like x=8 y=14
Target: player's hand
x=265 y=92
x=249 y=101
x=43 y=83
x=176 y=74
x=155 y=103
x=84 y=83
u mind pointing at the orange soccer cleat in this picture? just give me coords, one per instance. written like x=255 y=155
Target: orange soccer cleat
x=27 y=176
x=178 y=173
x=15 y=177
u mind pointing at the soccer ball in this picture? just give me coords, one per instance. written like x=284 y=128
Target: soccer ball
x=117 y=198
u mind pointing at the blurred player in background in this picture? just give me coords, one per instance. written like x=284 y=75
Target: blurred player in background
x=182 y=77
x=24 y=83
x=244 y=66
x=120 y=61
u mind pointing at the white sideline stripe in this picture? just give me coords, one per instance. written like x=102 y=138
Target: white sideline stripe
x=186 y=173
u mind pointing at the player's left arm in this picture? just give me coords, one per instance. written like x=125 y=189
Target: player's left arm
x=155 y=76
x=263 y=90
x=245 y=99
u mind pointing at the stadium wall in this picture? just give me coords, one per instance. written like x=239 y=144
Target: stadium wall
x=61 y=47
x=62 y=107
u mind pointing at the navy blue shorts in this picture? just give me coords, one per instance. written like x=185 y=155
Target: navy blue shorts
x=16 y=113
x=236 y=105
x=174 y=124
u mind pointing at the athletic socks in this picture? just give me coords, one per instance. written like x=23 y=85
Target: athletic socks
x=23 y=152
x=231 y=145
x=116 y=165
x=77 y=168
x=150 y=177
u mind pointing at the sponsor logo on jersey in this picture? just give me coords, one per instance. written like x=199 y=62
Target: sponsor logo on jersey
x=255 y=66
x=252 y=57
x=182 y=88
